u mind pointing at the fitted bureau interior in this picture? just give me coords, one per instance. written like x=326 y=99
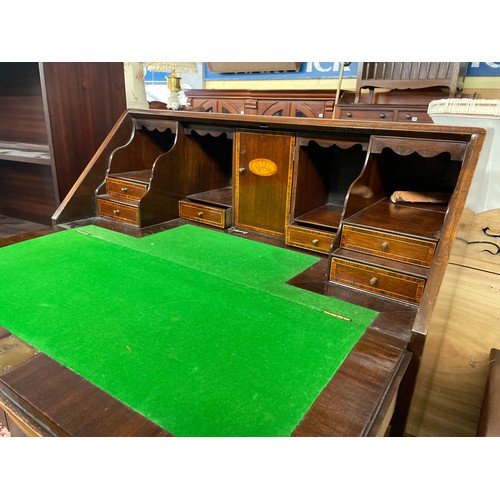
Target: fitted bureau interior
x=394 y=216
x=161 y=164
x=325 y=167
x=130 y=171
x=206 y=190
x=412 y=166
x=326 y=187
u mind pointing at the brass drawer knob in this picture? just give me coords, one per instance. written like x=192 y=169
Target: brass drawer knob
x=124 y=189
x=116 y=211
x=200 y=214
x=315 y=241
x=373 y=281
x=382 y=115
x=348 y=114
x=384 y=246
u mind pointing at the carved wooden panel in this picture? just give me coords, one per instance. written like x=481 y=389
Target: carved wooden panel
x=307 y=109
x=298 y=103
x=228 y=106
x=273 y=108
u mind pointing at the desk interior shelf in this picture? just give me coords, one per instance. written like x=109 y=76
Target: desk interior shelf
x=325 y=169
x=25 y=153
x=222 y=197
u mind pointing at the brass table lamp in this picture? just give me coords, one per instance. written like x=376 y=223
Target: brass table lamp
x=175 y=99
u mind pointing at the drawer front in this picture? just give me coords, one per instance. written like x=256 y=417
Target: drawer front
x=214 y=216
x=125 y=189
x=310 y=239
x=379 y=281
x=118 y=212
x=367 y=114
x=390 y=246
x=413 y=116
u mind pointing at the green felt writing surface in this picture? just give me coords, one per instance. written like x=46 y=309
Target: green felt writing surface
x=195 y=329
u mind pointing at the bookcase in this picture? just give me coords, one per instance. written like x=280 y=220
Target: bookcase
x=53 y=118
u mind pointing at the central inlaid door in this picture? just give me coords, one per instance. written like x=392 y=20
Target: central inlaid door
x=263 y=177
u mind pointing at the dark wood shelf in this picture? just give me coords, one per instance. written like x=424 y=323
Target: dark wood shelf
x=143 y=176
x=115 y=199
x=325 y=217
x=222 y=197
x=422 y=221
x=26 y=153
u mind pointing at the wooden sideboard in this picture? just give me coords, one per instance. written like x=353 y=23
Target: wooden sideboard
x=53 y=117
x=405 y=106
x=309 y=185
x=400 y=91
x=296 y=103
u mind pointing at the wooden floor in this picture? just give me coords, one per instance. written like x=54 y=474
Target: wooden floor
x=9 y=226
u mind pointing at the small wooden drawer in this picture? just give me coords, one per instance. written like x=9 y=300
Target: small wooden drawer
x=118 y=211
x=214 y=216
x=310 y=239
x=388 y=245
x=125 y=189
x=366 y=114
x=376 y=280
x=413 y=116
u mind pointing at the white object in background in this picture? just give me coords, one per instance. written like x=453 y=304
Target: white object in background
x=484 y=193
x=135 y=89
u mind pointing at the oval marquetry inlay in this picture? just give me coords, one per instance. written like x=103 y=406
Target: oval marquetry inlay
x=263 y=166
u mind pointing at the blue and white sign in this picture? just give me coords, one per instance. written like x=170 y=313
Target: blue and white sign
x=483 y=69
x=313 y=70
x=155 y=77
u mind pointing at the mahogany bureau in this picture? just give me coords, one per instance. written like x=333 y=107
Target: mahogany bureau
x=311 y=185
